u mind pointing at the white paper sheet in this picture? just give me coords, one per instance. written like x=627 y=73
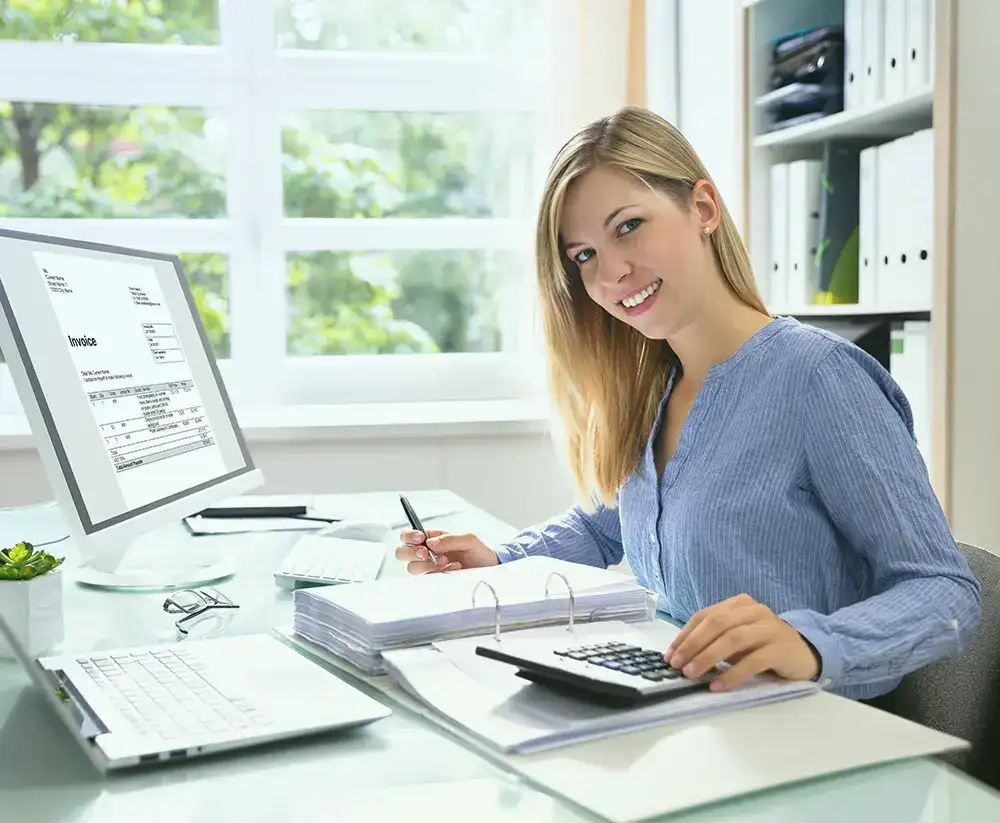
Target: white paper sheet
x=244 y=525
x=384 y=507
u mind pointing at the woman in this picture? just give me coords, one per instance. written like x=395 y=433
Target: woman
x=759 y=474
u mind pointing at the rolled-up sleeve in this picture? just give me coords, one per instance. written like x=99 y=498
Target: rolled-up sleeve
x=866 y=470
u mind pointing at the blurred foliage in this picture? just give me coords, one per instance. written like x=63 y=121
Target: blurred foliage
x=60 y=160
x=404 y=25
x=177 y=22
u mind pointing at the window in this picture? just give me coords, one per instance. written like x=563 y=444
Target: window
x=350 y=184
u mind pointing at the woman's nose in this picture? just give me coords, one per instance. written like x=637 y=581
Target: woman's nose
x=613 y=269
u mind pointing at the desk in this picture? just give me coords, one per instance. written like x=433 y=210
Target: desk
x=400 y=768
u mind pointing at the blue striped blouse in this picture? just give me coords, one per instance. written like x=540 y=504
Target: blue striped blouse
x=797 y=480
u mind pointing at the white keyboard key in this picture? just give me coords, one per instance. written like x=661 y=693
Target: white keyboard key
x=319 y=559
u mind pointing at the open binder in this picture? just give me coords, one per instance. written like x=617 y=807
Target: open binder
x=363 y=621
x=489 y=701
x=756 y=737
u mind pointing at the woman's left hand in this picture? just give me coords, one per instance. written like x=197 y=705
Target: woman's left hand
x=746 y=634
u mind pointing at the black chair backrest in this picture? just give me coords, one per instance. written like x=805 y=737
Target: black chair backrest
x=961 y=695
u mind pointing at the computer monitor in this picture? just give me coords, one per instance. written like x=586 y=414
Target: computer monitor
x=125 y=400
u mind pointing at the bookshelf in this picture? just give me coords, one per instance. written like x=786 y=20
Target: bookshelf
x=870 y=119
x=883 y=120
x=964 y=303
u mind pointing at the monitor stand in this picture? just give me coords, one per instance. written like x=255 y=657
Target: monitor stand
x=189 y=576
x=155 y=562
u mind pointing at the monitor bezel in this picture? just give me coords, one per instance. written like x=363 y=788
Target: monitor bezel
x=127 y=526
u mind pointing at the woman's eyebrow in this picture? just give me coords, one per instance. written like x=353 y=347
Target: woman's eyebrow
x=614 y=213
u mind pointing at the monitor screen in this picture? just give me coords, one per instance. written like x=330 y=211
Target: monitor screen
x=122 y=372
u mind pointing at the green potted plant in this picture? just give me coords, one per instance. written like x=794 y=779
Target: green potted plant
x=31 y=598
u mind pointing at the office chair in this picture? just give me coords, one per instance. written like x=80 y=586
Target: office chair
x=961 y=695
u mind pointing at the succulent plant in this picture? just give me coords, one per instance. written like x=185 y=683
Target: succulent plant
x=22 y=562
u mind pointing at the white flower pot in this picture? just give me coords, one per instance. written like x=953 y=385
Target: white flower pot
x=33 y=609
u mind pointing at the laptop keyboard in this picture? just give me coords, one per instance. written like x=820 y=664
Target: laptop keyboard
x=166 y=694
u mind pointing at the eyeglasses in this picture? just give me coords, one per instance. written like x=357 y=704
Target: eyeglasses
x=193 y=603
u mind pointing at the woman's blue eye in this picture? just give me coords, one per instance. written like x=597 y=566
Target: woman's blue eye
x=629 y=225
x=583 y=256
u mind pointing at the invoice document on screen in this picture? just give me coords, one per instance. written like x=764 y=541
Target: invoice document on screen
x=128 y=357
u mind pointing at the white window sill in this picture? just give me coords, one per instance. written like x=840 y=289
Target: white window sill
x=360 y=421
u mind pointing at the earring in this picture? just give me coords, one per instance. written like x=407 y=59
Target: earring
x=707 y=231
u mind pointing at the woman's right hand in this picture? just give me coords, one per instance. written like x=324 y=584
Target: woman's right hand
x=453 y=551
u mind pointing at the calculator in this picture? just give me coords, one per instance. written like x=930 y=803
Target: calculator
x=614 y=673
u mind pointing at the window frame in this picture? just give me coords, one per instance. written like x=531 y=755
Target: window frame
x=252 y=83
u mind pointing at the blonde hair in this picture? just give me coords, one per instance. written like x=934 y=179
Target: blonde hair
x=605 y=377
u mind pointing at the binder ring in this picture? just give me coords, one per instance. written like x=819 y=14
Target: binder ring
x=496 y=600
x=572 y=598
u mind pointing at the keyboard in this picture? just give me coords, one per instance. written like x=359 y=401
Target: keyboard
x=318 y=560
x=614 y=673
x=169 y=694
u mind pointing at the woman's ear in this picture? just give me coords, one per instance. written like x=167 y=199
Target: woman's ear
x=705 y=203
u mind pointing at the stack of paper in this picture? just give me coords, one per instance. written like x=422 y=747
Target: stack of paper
x=489 y=701
x=360 y=621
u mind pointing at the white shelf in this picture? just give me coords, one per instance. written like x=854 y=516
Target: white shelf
x=844 y=310
x=890 y=119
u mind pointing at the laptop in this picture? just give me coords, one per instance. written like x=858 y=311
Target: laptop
x=153 y=704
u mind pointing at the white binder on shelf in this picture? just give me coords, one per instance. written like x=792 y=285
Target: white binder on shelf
x=918 y=209
x=918 y=45
x=894 y=50
x=868 y=245
x=777 y=284
x=854 y=55
x=891 y=283
x=804 y=193
x=872 y=44
x=910 y=366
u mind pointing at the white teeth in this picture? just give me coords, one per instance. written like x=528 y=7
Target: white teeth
x=636 y=299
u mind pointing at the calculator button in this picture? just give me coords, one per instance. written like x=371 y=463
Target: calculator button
x=577 y=655
x=654 y=676
x=630 y=670
x=598 y=661
x=612 y=664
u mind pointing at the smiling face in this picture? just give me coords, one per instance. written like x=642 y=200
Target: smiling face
x=641 y=255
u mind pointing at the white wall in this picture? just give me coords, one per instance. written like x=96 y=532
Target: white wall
x=516 y=477
x=974 y=392
x=710 y=104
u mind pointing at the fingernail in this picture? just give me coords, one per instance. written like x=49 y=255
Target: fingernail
x=676 y=661
x=452 y=567
x=688 y=670
x=715 y=686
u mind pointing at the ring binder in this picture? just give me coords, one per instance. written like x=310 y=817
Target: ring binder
x=496 y=600
x=572 y=597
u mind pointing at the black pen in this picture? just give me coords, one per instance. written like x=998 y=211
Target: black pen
x=415 y=523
